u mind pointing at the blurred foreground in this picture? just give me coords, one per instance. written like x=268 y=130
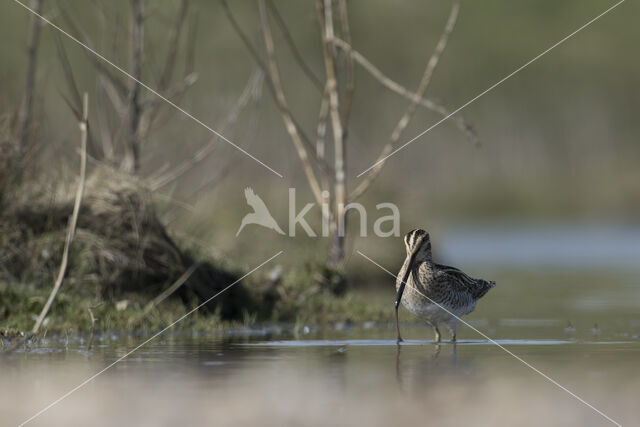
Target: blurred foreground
x=329 y=377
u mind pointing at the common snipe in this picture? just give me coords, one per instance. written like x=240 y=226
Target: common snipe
x=437 y=293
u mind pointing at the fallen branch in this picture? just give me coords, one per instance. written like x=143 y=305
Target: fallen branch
x=74 y=216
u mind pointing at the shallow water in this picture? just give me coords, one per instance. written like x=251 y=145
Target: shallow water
x=355 y=375
x=572 y=321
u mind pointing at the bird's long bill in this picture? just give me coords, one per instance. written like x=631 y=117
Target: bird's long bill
x=404 y=279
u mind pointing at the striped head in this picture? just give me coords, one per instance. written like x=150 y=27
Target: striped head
x=418 y=245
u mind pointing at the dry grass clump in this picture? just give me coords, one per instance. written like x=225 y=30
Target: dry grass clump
x=121 y=247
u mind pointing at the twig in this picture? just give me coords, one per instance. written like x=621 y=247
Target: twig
x=67 y=71
x=75 y=103
x=102 y=68
x=184 y=205
x=292 y=46
x=152 y=108
x=29 y=86
x=171 y=289
x=321 y=130
x=411 y=109
x=284 y=109
x=292 y=128
x=173 y=42
x=74 y=216
x=325 y=10
x=428 y=72
x=190 y=53
x=402 y=91
x=175 y=173
x=132 y=159
x=351 y=71
x=93 y=324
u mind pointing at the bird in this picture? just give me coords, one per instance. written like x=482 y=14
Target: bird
x=260 y=215
x=437 y=293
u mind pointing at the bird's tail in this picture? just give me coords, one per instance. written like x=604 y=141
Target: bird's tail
x=483 y=287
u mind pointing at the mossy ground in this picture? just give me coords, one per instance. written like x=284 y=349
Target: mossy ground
x=123 y=257
x=304 y=303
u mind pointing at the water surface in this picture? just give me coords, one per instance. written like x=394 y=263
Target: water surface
x=273 y=376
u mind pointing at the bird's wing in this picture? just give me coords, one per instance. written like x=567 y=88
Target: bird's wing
x=254 y=200
x=462 y=281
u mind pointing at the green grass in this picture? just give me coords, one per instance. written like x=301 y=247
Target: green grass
x=304 y=303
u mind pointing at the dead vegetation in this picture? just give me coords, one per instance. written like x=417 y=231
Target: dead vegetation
x=120 y=246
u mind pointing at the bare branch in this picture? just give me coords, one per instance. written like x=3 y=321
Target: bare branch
x=321 y=133
x=112 y=92
x=202 y=154
x=26 y=107
x=325 y=11
x=402 y=91
x=99 y=65
x=292 y=46
x=321 y=130
x=190 y=52
x=172 y=93
x=296 y=133
x=67 y=71
x=173 y=43
x=75 y=103
x=428 y=72
x=284 y=109
x=406 y=117
x=292 y=128
x=84 y=123
x=351 y=72
x=132 y=159
x=151 y=108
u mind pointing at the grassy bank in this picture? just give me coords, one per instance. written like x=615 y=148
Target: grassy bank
x=301 y=305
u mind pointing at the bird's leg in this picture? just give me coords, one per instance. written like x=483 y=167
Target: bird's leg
x=399 y=340
x=452 y=328
x=437 y=331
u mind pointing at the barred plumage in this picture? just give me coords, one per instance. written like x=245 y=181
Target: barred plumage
x=430 y=287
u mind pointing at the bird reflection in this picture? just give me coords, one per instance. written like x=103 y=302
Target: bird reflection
x=419 y=367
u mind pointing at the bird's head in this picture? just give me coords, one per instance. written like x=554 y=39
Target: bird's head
x=418 y=245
